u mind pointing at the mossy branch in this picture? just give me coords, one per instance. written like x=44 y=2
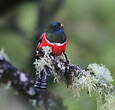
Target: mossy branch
x=93 y=79
x=25 y=85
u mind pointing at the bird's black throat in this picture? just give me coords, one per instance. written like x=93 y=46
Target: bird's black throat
x=56 y=37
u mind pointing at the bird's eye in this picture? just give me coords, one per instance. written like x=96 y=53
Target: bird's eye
x=57 y=27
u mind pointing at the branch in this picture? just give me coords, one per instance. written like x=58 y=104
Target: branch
x=26 y=86
x=93 y=79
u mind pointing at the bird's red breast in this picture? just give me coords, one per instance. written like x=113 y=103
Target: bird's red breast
x=57 y=48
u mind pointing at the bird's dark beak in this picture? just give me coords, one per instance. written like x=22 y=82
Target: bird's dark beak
x=62 y=26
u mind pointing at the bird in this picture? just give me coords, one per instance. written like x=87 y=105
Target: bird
x=54 y=37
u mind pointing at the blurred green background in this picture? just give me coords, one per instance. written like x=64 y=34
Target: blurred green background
x=89 y=26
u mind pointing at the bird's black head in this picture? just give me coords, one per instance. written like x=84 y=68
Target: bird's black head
x=55 y=26
x=55 y=32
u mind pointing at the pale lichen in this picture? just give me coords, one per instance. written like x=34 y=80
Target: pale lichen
x=85 y=82
x=3 y=55
x=47 y=60
x=109 y=102
x=43 y=61
x=101 y=72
